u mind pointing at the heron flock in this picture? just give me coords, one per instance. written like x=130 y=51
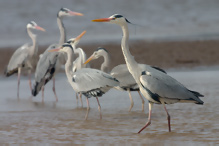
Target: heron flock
x=150 y=81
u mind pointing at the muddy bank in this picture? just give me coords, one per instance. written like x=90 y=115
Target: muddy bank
x=163 y=54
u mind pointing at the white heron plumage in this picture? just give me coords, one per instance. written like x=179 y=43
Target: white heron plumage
x=89 y=82
x=24 y=57
x=121 y=73
x=156 y=86
x=50 y=63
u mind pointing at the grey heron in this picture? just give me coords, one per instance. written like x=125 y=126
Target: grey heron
x=89 y=82
x=50 y=63
x=22 y=59
x=156 y=86
x=121 y=73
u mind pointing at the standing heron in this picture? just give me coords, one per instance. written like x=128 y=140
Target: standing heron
x=22 y=59
x=49 y=63
x=121 y=73
x=89 y=82
x=156 y=86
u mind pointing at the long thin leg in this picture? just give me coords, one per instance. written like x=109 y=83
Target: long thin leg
x=88 y=109
x=29 y=76
x=132 y=103
x=168 y=116
x=99 y=107
x=43 y=87
x=149 y=117
x=18 y=81
x=80 y=97
x=54 y=89
x=142 y=101
x=76 y=95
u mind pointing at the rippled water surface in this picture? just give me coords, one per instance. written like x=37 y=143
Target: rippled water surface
x=29 y=121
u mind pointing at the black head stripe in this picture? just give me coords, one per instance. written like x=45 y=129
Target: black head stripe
x=118 y=16
x=127 y=20
x=100 y=48
x=67 y=45
x=63 y=9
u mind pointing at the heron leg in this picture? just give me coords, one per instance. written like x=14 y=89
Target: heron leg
x=43 y=87
x=99 y=107
x=76 y=95
x=149 y=117
x=88 y=109
x=18 y=81
x=54 y=89
x=80 y=96
x=142 y=101
x=168 y=116
x=29 y=76
x=132 y=103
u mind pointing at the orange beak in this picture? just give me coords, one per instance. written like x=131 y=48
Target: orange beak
x=88 y=60
x=79 y=37
x=102 y=20
x=75 y=13
x=40 y=28
x=55 y=50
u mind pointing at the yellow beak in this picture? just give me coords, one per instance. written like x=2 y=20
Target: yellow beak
x=79 y=37
x=88 y=60
x=55 y=50
x=102 y=20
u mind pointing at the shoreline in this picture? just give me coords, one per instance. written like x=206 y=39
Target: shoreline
x=164 y=54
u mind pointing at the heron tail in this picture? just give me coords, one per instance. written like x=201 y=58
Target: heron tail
x=197 y=95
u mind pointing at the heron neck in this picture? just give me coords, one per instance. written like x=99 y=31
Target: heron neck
x=61 y=26
x=68 y=64
x=129 y=59
x=81 y=56
x=34 y=48
x=106 y=63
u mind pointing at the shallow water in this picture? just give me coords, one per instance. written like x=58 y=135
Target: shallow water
x=158 y=19
x=29 y=121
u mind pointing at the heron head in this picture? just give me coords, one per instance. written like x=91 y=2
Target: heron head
x=66 y=12
x=75 y=41
x=97 y=54
x=115 y=19
x=33 y=25
x=66 y=47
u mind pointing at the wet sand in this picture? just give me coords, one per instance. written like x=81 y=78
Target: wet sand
x=30 y=121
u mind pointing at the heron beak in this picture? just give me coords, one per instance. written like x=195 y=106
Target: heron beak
x=75 y=13
x=79 y=37
x=89 y=59
x=102 y=20
x=40 y=28
x=55 y=50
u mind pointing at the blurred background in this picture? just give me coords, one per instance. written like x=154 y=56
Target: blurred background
x=163 y=26
x=158 y=19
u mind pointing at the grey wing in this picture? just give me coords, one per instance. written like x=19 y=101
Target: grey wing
x=122 y=74
x=45 y=70
x=17 y=59
x=87 y=79
x=159 y=84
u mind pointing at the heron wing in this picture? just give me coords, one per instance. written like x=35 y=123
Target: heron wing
x=162 y=85
x=87 y=79
x=18 y=58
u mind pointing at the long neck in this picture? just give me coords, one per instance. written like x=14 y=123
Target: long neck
x=68 y=65
x=106 y=63
x=34 y=48
x=129 y=59
x=62 y=39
